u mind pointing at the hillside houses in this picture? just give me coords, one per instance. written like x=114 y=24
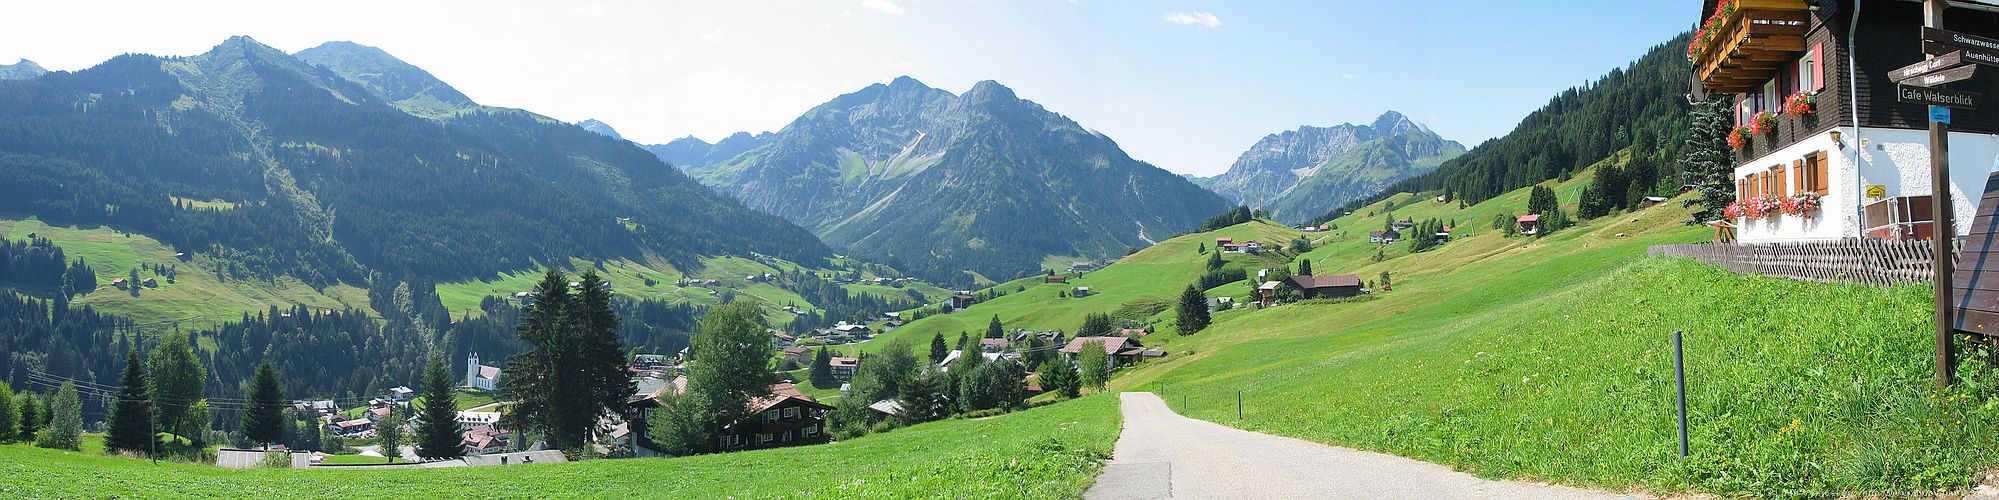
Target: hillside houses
x=1121 y=350
x=1384 y=237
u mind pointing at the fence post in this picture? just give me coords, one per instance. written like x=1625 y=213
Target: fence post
x=1680 y=379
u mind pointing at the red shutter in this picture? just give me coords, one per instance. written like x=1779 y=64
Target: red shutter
x=1818 y=66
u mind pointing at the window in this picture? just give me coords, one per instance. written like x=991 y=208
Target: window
x=770 y=416
x=787 y=436
x=1811 y=75
x=764 y=438
x=732 y=440
x=1777 y=186
x=791 y=413
x=812 y=431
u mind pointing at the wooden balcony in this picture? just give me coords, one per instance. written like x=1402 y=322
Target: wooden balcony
x=1752 y=44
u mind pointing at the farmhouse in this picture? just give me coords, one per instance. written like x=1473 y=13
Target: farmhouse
x=960 y=300
x=478 y=376
x=843 y=367
x=1384 y=237
x=1825 y=147
x=1122 y=350
x=786 y=417
x=1217 y=304
x=1266 y=293
x=1530 y=224
x=994 y=345
x=1055 y=278
x=1327 y=287
x=484 y=439
x=1081 y=291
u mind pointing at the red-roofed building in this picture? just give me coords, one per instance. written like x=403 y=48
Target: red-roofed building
x=1530 y=224
x=843 y=368
x=1055 y=278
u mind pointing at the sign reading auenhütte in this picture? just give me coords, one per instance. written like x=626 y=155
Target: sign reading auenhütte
x=1964 y=55
x=1938 y=97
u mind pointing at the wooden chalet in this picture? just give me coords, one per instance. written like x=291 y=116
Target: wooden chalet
x=1055 y=278
x=1120 y=350
x=1530 y=224
x=1814 y=95
x=785 y=417
x=1327 y=287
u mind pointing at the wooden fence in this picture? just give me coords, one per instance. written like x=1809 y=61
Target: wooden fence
x=1864 y=262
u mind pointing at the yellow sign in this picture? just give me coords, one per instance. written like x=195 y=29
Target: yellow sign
x=1877 y=191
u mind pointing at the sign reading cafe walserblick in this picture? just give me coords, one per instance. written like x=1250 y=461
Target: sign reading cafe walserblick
x=1960 y=99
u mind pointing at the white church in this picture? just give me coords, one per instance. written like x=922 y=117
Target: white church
x=478 y=376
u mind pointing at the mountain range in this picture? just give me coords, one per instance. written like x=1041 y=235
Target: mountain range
x=933 y=182
x=341 y=161
x=1299 y=174
x=21 y=70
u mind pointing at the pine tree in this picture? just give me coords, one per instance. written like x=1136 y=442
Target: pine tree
x=1706 y=158
x=822 y=368
x=605 y=371
x=537 y=377
x=1060 y=377
x=437 y=433
x=1305 y=266
x=130 y=425
x=264 y=420
x=922 y=399
x=10 y=417
x=31 y=413
x=938 y=350
x=1215 y=261
x=65 y=431
x=994 y=330
x=1193 y=314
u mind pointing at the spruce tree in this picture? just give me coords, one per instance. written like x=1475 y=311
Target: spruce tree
x=130 y=425
x=822 y=368
x=1305 y=266
x=994 y=330
x=1215 y=260
x=264 y=420
x=1706 y=159
x=31 y=413
x=537 y=377
x=437 y=433
x=1193 y=310
x=600 y=357
x=10 y=417
x=65 y=430
x=1059 y=376
x=938 y=350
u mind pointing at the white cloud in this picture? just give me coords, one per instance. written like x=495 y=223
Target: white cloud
x=884 y=6
x=1195 y=18
x=1349 y=76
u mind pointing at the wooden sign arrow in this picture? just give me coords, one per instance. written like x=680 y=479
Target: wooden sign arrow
x=1946 y=41
x=1957 y=74
x=1944 y=61
x=1965 y=55
x=1959 y=99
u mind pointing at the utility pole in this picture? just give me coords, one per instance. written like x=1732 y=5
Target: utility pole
x=1942 y=232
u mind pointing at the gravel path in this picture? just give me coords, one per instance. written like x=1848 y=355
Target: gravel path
x=1161 y=454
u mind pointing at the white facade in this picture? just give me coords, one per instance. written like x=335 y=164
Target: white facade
x=1896 y=159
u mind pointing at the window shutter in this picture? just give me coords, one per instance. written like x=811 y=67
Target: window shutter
x=1822 y=171
x=1777 y=181
x=1818 y=66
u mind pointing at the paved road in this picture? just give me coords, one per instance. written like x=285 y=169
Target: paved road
x=1164 y=455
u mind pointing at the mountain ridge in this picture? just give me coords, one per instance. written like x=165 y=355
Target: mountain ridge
x=1270 y=173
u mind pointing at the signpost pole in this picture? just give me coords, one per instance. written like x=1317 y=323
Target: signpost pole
x=1680 y=378
x=1943 y=233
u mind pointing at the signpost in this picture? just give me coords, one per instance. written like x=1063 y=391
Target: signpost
x=1942 y=77
x=1944 y=50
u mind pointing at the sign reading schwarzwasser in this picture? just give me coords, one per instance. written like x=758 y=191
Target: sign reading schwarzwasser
x=1938 y=97
x=1952 y=40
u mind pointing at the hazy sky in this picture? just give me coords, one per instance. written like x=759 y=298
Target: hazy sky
x=1184 y=85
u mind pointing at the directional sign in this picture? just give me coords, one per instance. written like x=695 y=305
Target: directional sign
x=1942 y=77
x=1969 y=55
x=1939 y=97
x=1945 y=61
x=1946 y=41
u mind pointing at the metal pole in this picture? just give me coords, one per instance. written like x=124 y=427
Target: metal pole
x=1238 y=404
x=1680 y=377
x=1942 y=231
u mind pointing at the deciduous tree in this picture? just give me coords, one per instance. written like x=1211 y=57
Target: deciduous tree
x=65 y=431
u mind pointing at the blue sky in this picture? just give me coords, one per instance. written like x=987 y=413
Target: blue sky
x=1184 y=85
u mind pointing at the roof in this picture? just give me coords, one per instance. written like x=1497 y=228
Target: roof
x=840 y=361
x=779 y=393
x=382 y=412
x=1001 y=343
x=1267 y=285
x=887 y=407
x=1530 y=217
x=1111 y=344
x=1133 y=332
x=1311 y=282
x=1223 y=239
x=489 y=372
x=1374 y=234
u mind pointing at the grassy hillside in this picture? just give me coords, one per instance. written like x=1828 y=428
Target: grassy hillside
x=195 y=295
x=1048 y=452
